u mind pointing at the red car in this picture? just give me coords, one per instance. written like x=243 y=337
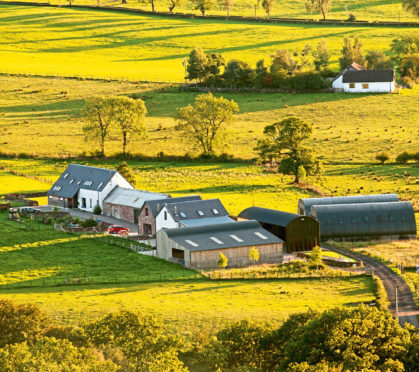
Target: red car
x=115 y=229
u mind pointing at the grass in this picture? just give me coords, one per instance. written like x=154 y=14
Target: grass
x=10 y=183
x=327 y=254
x=366 y=10
x=53 y=41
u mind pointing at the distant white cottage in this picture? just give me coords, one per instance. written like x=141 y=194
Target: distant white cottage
x=338 y=83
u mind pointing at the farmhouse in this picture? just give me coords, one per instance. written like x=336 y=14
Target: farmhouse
x=199 y=247
x=365 y=221
x=338 y=83
x=125 y=204
x=305 y=204
x=150 y=209
x=369 y=81
x=300 y=233
x=84 y=187
x=191 y=213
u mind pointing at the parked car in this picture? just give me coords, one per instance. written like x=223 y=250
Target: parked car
x=29 y=210
x=115 y=229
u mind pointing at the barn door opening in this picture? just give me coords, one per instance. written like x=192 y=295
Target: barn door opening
x=178 y=253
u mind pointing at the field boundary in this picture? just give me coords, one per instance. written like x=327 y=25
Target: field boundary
x=330 y=22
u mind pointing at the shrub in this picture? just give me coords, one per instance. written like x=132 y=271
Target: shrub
x=49 y=221
x=222 y=260
x=408 y=82
x=403 y=158
x=89 y=223
x=382 y=158
x=97 y=209
x=351 y=17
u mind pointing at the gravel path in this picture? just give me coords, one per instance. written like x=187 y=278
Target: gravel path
x=407 y=308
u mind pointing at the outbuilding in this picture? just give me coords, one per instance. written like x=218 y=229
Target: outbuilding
x=199 y=247
x=366 y=221
x=300 y=233
x=369 y=81
x=305 y=204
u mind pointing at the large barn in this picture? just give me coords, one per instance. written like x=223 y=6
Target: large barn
x=199 y=247
x=305 y=204
x=300 y=233
x=366 y=221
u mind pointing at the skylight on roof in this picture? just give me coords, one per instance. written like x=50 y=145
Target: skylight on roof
x=200 y=212
x=71 y=181
x=57 y=188
x=100 y=185
x=215 y=211
x=66 y=175
x=218 y=241
x=88 y=183
x=193 y=244
x=78 y=183
x=182 y=214
x=236 y=238
x=260 y=235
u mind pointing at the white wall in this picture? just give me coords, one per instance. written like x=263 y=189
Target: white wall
x=162 y=223
x=337 y=83
x=372 y=87
x=96 y=197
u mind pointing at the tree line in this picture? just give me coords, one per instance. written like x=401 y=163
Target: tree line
x=339 y=339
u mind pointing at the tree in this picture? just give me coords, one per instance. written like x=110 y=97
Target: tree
x=126 y=171
x=261 y=73
x=254 y=255
x=197 y=65
x=284 y=142
x=173 y=4
x=228 y=5
x=268 y=6
x=409 y=67
x=352 y=52
x=376 y=60
x=301 y=173
x=238 y=73
x=21 y=322
x=405 y=44
x=204 y=5
x=283 y=64
x=382 y=157
x=222 y=260
x=321 y=56
x=204 y=122
x=213 y=64
x=129 y=116
x=316 y=256
x=143 y=340
x=322 y=6
x=151 y=2
x=99 y=116
x=411 y=6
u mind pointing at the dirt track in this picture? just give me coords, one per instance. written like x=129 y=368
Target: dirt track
x=391 y=281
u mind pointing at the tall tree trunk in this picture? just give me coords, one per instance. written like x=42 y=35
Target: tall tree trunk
x=152 y=6
x=124 y=143
x=171 y=7
x=324 y=14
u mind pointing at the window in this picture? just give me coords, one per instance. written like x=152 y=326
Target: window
x=147 y=229
x=90 y=203
x=200 y=213
x=403 y=218
x=215 y=211
x=193 y=244
x=260 y=235
x=351 y=85
x=165 y=215
x=236 y=238
x=178 y=253
x=329 y=220
x=146 y=211
x=378 y=219
x=365 y=86
x=71 y=181
x=218 y=241
x=182 y=214
x=66 y=175
x=83 y=202
x=341 y=220
x=391 y=218
x=100 y=185
x=365 y=218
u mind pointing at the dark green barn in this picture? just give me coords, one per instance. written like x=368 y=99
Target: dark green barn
x=300 y=233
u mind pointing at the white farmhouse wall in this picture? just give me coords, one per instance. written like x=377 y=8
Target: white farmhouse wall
x=162 y=223
x=382 y=87
x=338 y=83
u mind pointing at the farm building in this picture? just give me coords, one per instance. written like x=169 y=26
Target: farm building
x=193 y=212
x=300 y=233
x=305 y=204
x=84 y=187
x=365 y=221
x=338 y=83
x=199 y=247
x=150 y=210
x=126 y=204
x=369 y=81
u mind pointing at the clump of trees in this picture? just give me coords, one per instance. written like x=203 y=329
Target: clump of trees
x=322 y=6
x=126 y=171
x=406 y=56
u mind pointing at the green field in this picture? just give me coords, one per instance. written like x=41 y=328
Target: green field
x=56 y=41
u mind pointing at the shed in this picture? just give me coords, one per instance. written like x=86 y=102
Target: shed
x=366 y=221
x=199 y=247
x=305 y=204
x=298 y=232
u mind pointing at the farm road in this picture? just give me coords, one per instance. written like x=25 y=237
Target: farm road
x=391 y=281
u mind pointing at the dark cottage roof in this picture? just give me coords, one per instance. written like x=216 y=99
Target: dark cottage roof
x=368 y=76
x=132 y=197
x=226 y=235
x=196 y=209
x=271 y=216
x=77 y=177
x=352 y=67
x=155 y=205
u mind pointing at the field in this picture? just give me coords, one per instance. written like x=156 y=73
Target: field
x=53 y=41
x=372 y=10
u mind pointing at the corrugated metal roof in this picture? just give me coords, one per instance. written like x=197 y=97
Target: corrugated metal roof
x=132 y=197
x=271 y=216
x=207 y=221
x=306 y=203
x=365 y=219
x=235 y=234
x=77 y=177
x=368 y=76
x=196 y=209
x=155 y=206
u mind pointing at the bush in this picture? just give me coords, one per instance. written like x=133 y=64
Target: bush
x=403 y=158
x=382 y=158
x=305 y=81
x=49 y=221
x=97 y=210
x=408 y=82
x=89 y=223
x=351 y=17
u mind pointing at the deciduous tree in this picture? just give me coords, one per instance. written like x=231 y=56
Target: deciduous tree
x=197 y=65
x=352 y=52
x=238 y=73
x=283 y=64
x=322 y=6
x=151 y=2
x=376 y=60
x=228 y=5
x=411 y=6
x=204 y=122
x=204 y=5
x=254 y=255
x=321 y=56
x=173 y=4
x=268 y=6
x=126 y=171
x=222 y=260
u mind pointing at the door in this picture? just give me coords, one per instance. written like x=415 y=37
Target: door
x=136 y=214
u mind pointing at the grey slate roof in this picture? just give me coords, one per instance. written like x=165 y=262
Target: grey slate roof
x=368 y=76
x=306 y=203
x=132 y=197
x=201 y=236
x=207 y=221
x=155 y=205
x=271 y=216
x=74 y=177
x=188 y=210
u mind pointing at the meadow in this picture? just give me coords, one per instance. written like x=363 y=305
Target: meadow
x=53 y=41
